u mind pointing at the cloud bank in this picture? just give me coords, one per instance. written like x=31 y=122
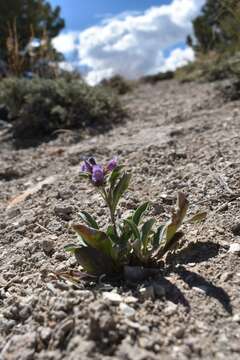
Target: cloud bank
x=133 y=45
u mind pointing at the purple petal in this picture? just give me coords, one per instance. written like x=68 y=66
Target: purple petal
x=112 y=164
x=83 y=168
x=97 y=174
x=86 y=167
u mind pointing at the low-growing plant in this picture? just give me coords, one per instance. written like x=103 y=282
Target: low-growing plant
x=38 y=107
x=134 y=241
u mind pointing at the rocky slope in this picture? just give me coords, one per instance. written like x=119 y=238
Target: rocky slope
x=178 y=137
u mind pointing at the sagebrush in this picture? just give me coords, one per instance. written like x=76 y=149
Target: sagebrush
x=38 y=107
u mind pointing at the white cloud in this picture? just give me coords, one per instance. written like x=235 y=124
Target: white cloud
x=133 y=45
x=66 y=42
x=178 y=57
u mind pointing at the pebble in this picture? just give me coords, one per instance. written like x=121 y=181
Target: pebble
x=226 y=276
x=113 y=297
x=63 y=212
x=236 y=229
x=236 y=318
x=201 y=289
x=127 y=310
x=130 y=300
x=170 y=309
x=234 y=248
x=47 y=246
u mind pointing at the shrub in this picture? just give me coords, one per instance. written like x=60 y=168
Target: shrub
x=153 y=79
x=38 y=107
x=117 y=83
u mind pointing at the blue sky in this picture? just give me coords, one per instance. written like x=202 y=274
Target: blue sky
x=131 y=38
x=80 y=14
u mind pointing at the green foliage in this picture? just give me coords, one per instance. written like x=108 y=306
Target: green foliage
x=118 y=84
x=125 y=242
x=32 y=18
x=210 y=67
x=38 y=107
x=216 y=43
x=217 y=28
x=153 y=79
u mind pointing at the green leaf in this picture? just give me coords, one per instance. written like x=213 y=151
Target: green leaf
x=88 y=219
x=94 y=238
x=71 y=248
x=146 y=231
x=115 y=175
x=133 y=227
x=84 y=175
x=200 y=216
x=139 y=212
x=111 y=233
x=120 y=189
x=158 y=236
x=94 y=261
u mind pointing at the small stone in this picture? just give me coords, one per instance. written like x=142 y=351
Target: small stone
x=236 y=229
x=65 y=194
x=47 y=246
x=226 y=276
x=45 y=334
x=170 y=309
x=234 y=248
x=63 y=212
x=112 y=297
x=127 y=310
x=178 y=332
x=201 y=289
x=236 y=318
x=12 y=213
x=130 y=300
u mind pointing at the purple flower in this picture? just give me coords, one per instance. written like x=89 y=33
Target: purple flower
x=86 y=167
x=83 y=168
x=97 y=175
x=98 y=172
x=112 y=164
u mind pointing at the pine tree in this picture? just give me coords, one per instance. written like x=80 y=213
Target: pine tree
x=27 y=19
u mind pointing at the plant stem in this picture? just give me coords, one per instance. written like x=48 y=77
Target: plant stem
x=112 y=214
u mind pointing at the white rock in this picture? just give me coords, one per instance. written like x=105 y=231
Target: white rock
x=234 y=248
x=127 y=310
x=170 y=309
x=113 y=297
x=130 y=300
x=236 y=318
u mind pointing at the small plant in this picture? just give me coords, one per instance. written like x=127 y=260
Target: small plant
x=125 y=242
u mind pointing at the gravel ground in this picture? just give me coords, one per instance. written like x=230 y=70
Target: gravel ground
x=178 y=137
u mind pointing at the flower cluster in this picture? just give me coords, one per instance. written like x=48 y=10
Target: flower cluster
x=96 y=172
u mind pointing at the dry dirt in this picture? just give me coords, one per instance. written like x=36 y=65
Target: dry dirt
x=179 y=137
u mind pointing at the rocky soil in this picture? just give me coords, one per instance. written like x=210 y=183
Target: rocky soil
x=178 y=137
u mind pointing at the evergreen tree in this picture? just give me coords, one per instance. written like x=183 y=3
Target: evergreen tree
x=26 y=20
